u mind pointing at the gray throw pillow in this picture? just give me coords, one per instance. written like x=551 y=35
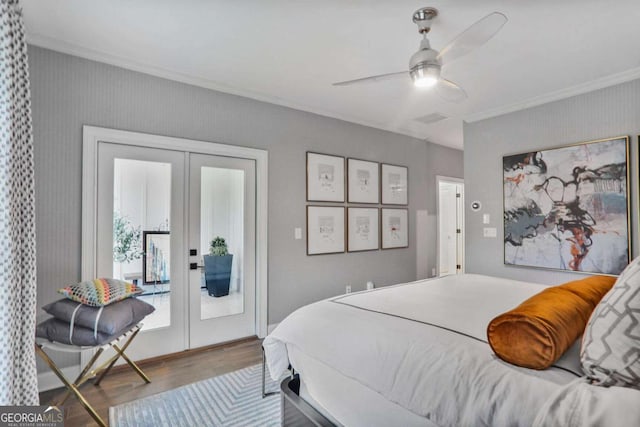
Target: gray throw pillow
x=610 y=352
x=113 y=318
x=58 y=331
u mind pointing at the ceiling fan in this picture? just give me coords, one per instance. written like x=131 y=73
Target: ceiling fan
x=426 y=63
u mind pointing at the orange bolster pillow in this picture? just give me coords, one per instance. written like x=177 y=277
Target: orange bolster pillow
x=537 y=332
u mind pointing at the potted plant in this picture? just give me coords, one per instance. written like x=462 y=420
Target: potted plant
x=126 y=240
x=217 y=268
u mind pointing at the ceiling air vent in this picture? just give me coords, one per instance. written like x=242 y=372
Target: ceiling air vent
x=430 y=118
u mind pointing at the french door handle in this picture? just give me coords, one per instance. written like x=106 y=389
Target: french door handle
x=195 y=266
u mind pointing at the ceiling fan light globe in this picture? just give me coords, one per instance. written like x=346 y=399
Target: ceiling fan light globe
x=425 y=75
x=425 y=82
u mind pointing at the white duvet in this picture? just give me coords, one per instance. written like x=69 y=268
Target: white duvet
x=423 y=346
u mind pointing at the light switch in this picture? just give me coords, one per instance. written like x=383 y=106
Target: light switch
x=297 y=232
x=486 y=219
x=490 y=232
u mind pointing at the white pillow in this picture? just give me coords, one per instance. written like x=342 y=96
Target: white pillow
x=610 y=353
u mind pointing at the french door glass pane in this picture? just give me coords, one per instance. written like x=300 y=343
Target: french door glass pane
x=141 y=235
x=221 y=217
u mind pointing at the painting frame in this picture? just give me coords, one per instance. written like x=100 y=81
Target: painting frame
x=400 y=234
x=152 y=259
x=394 y=184
x=363 y=181
x=319 y=240
x=575 y=197
x=325 y=178
x=354 y=229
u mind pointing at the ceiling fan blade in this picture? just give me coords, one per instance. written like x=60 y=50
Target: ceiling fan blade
x=449 y=91
x=372 y=79
x=473 y=37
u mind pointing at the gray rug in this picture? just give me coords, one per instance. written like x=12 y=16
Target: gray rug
x=229 y=400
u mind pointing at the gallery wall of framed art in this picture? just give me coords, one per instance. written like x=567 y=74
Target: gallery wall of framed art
x=355 y=223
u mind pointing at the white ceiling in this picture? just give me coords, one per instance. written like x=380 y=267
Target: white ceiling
x=289 y=52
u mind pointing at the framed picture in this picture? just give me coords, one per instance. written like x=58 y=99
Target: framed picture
x=157 y=256
x=395 y=228
x=362 y=229
x=363 y=181
x=567 y=208
x=325 y=230
x=395 y=185
x=325 y=178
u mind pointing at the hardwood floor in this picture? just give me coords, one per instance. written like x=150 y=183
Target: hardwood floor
x=123 y=385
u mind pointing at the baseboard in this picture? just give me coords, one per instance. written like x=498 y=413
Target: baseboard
x=47 y=380
x=271 y=327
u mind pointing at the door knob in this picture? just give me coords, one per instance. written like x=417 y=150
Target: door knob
x=195 y=266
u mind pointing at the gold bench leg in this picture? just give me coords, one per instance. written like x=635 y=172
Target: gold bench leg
x=83 y=377
x=120 y=353
x=131 y=363
x=71 y=387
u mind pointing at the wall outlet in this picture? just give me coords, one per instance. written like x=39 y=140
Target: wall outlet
x=297 y=233
x=369 y=285
x=486 y=219
x=433 y=272
x=348 y=289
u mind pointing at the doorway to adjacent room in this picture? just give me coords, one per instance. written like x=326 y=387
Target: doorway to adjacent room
x=450 y=236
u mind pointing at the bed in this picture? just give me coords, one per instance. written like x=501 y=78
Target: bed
x=416 y=354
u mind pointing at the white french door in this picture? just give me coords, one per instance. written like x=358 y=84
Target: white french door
x=222 y=195
x=141 y=191
x=157 y=211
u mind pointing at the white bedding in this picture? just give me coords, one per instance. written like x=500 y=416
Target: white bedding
x=340 y=398
x=423 y=346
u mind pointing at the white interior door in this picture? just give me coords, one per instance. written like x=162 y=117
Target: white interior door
x=450 y=228
x=141 y=237
x=222 y=204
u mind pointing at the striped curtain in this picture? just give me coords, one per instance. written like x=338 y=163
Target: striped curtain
x=18 y=374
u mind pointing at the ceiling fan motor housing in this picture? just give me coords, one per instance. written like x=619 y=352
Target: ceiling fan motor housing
x=424 y=55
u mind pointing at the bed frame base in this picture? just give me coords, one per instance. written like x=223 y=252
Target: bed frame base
x=296 y=412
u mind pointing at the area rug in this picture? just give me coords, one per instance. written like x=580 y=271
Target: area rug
x=230 y=400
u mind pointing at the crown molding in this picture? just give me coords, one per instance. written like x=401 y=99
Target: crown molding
x=579 y=89
x=129 y=64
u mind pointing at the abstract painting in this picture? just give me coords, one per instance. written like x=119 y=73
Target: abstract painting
x=157 y=252
x=567 y=208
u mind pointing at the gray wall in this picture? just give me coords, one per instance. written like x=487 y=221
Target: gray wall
x=68 y=92
x=608 y=112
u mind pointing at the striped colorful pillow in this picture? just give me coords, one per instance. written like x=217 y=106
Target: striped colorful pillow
x=100 y=292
